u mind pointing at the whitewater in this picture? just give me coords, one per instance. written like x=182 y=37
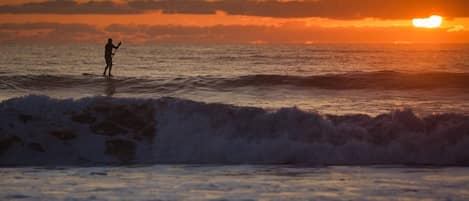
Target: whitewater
x=235 y=122
x=99 y=131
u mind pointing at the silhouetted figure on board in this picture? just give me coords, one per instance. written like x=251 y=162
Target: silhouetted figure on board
x=108 y=55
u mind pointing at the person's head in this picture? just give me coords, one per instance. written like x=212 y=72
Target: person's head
x=109 y=40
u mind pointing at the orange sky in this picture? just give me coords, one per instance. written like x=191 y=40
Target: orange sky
x=43 y=21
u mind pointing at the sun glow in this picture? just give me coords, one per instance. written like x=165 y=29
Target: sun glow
x=433 y=21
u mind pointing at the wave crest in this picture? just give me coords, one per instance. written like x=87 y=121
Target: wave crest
x=38 y=130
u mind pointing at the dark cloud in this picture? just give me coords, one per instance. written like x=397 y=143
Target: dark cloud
x=69 y=7
x=336 y=9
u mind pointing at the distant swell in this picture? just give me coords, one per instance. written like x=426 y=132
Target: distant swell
x=371 y=80
x=38 y=130
x=382 y=80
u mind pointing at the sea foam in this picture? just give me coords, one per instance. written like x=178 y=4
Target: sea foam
x=38 y=130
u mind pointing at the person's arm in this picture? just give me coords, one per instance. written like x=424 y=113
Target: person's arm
x=118 y=45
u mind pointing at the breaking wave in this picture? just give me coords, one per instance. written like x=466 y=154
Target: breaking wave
x=38 y=130
x=381 y=80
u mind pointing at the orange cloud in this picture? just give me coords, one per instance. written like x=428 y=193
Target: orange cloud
x=239 y=34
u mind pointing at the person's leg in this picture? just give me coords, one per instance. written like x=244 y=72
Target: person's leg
x=105 y=69
x=107 y=66
x=110 y=68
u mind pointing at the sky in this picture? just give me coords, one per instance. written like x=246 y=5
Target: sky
x=231 y=21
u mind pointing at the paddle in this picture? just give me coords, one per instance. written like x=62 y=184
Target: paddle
x=115 y=51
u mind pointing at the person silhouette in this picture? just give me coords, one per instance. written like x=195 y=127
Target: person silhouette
x=108 y=55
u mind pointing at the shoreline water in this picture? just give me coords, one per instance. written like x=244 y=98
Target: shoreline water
x=188 y=182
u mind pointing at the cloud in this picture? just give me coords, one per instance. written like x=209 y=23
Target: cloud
x=49 y=33
x=336 y=9
x=286 y=33
x=69 y=7
x=221 y=34
x=333 y=9
x=53 y=26
x=456 y=28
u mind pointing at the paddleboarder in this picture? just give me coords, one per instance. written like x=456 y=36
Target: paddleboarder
x=108 y=55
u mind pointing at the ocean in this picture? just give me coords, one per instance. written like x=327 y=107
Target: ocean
x=332 y=79
x=218 y=182
x=235 y=122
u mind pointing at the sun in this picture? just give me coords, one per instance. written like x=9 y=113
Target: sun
x=433 y=21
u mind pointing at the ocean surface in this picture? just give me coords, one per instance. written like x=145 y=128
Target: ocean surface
x=183 y=182
x=332 y=79
x=235 y=122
